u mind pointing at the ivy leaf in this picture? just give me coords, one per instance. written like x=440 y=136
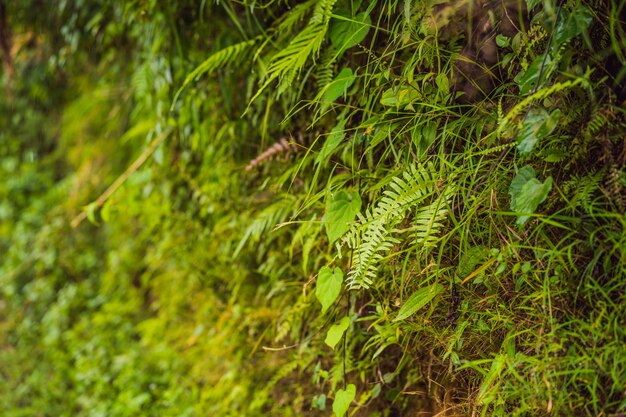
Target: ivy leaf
x=537 y=125
x=527 y=192
x=332 y=141
x=336 y=331
x=343 y=399
x=418 y=300
x=346 y=31
x=338 y=86
x=340 y=211
x=328 y=286
x=528 y=79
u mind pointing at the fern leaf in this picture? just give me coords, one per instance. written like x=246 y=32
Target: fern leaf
x=220 y=59
x=374 y=235
x=288 y=62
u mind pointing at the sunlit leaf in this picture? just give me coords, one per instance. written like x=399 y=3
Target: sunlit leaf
x=537 y=125
x=343 y=399
x=336 y=331
x=328 y=286
x=341 y=208
x=527 y=192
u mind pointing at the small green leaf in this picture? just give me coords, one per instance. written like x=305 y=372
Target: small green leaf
x=338 y=86
x=399 y=96
x=443 y=85
x=328 y=286
x=332 y=141
x=503 y=41
x=527 y=192
x=336 y=331
x=341 y=208
x=92 y=208
x=418 y=300
x=537 y=125
x=343 y=399
x=319 y=402
x=528 y=79
x=346 y=31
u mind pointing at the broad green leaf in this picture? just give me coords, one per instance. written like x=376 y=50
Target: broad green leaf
x=346 y=32
x=527 y=192
x=537 y=125
x=528 y=79
x=336 y=332
x=328 y=286
x=338 y=86
x=343 y=399
x=418 y=300
x=503 y=41
x=319 y=402
x=443 y=85
x=332 y=141
x=341 y=208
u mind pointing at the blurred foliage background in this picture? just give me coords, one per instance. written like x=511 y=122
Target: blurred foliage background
x=402 y=253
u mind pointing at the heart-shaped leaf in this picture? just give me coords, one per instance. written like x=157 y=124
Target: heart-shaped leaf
x=527 y=192
x=336 y=331
x=343 y=399
x=418 y=300
x=328 y=286
x=341 y=208
x=527 y=80
x=537 y=125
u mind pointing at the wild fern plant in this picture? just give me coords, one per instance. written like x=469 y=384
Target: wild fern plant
x=373 y=235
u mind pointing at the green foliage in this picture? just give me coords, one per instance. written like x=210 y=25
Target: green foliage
x=418 y=300
x=527 y=192
x=336 y=332
x=343 y=399
x=341 y=209
x=374 y=235
x=328 y=286
x=145 y=271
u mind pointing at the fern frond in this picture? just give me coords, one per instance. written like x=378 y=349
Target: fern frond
x=289 y=20
x=429 y=221
x=288 y=62
x=325 y=73
x=373 y=236
x=220 y=59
